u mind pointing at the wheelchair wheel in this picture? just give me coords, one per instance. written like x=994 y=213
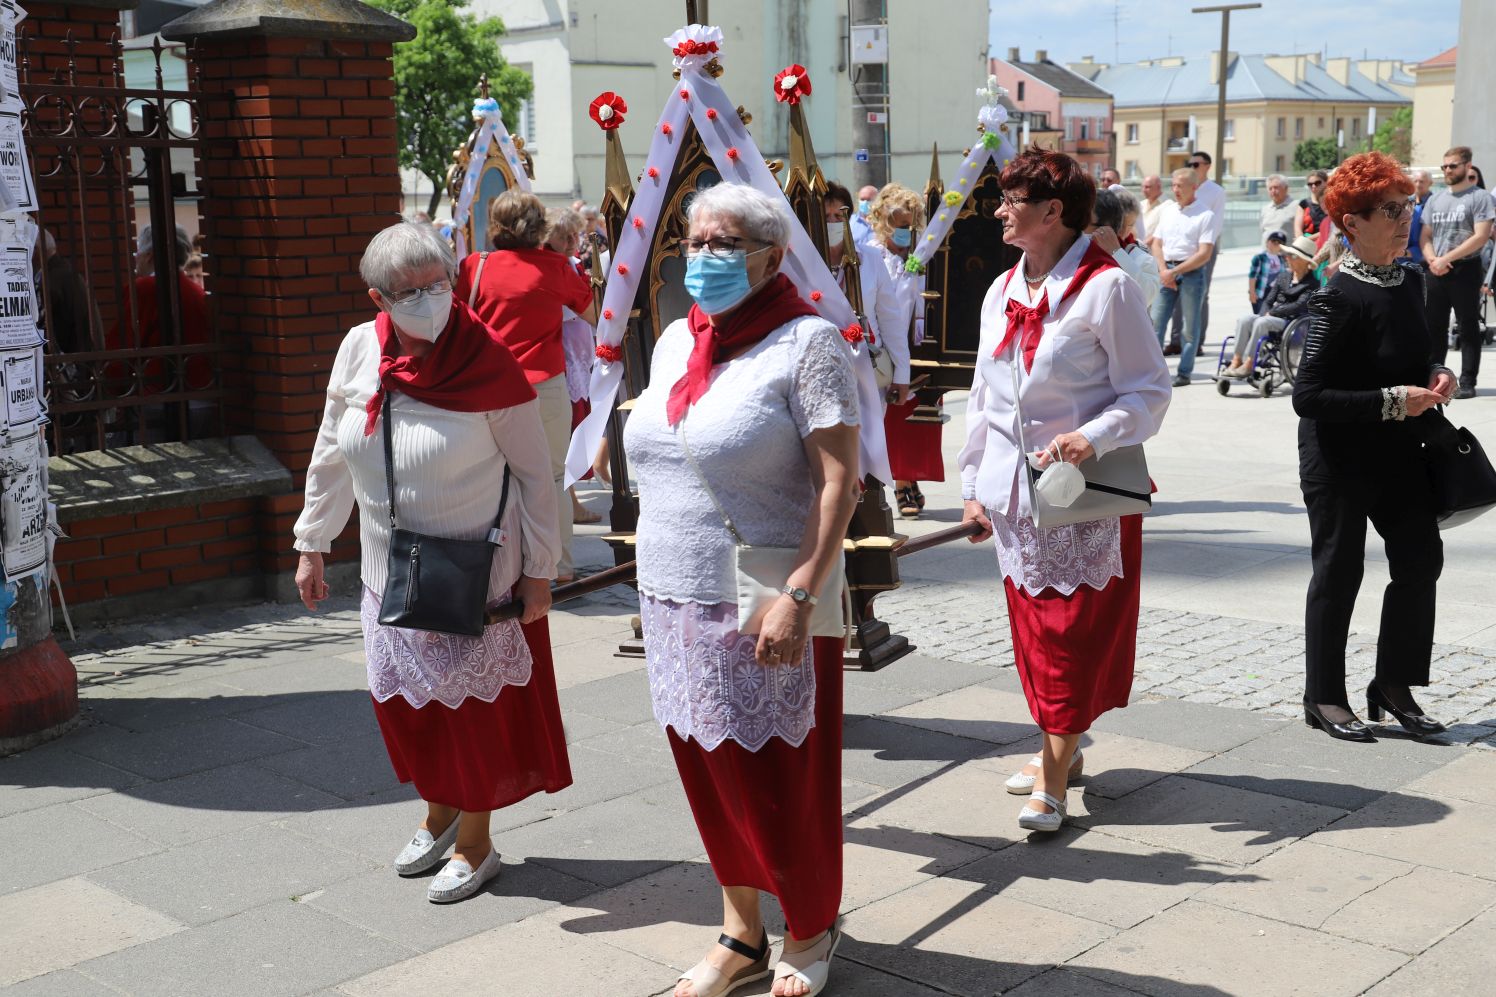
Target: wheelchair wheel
x=1291 y=348
x=1223 y=386
x=1265 y=389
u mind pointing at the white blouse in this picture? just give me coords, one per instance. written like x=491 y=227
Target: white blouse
x=747 y=435
x=909 y=321
x=1098 y=369
x=1141 y=267
x=449 y=469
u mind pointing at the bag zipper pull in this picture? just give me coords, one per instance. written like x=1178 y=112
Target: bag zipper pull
x=415 y=574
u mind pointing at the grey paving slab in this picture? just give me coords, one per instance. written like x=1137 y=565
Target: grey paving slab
x=1413 y=911
x=1195 y=949
x=297 y=676
x=177 y=751
x=1292 y=761
x=1470 y=775
x=206 y=804
x=1306 y=883
x=168 y=706
x=1066 y=982
x=623 y=698
x=979 y=712
x=1207 y=819
x=278 y=950
x=210 y=880
x=63 y=983
x=1098 y=876
x=1421 y=830
x=54 y=926
x=964 y=801
x=375 y=827
x=886 y=753
x=598 y=776
x=612 y=842
x=59 y=842
x=963 y=939
x=396 y=907
x=351 y=769
x=51 y=774
x=1459 y=966
x=927 y=675
x=327 y=718
x=1189 y=725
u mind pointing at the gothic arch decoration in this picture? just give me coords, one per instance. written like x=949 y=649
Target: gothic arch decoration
x=490 y=162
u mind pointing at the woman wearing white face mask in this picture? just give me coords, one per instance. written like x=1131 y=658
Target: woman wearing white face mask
x=474 y=722
x=751 y=416
x=897 y=216
x=1067 y=332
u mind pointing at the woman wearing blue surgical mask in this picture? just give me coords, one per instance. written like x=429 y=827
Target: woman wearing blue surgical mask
x=474 y=722
x=897 y=216
x=751 y=416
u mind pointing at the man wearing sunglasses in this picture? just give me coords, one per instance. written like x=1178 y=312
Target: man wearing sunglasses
x=1456 y=224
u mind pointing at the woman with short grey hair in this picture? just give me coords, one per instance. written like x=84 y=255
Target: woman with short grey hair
x=747 y=435
x=474 y=722
x=1116 y=212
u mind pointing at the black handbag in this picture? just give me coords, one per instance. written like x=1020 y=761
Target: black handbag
x=1464 y=480
x=436 y=583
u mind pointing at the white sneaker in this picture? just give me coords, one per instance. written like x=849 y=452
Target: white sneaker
x=458 y=880
x=424 y=851
x=1020 y=784
x=1034 y=820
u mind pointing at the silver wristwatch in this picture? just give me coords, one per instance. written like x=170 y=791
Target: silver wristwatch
x=800 y=595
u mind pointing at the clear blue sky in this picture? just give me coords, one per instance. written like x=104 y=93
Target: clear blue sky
x=1411 y=30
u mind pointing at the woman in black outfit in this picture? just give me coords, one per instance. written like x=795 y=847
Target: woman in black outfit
x=1362 y=385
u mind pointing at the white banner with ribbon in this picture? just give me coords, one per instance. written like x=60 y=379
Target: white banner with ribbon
x=699 y=99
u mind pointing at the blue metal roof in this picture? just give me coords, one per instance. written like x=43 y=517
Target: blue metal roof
x=1248 y=78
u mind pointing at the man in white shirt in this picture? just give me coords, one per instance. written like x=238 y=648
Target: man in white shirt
x=1213 y=196
x=1153 y=203
x=1183 y=246
x=1277 y=214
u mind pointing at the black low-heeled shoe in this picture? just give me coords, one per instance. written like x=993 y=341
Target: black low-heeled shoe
x=1416 y=724
x=1353 y=731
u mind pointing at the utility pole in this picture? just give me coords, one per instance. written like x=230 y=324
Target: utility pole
x=1225 y=11
x=869 y=94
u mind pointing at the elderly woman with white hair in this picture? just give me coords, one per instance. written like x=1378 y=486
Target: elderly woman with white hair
x=425 y=401
x=747 y=435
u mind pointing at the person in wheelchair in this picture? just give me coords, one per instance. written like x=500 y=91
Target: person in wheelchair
x=1287 y=298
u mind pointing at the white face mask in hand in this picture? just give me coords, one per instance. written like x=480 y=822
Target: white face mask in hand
x=1061 y=483
x=425 y=317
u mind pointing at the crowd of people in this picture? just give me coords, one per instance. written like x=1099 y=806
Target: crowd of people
x=744 y=448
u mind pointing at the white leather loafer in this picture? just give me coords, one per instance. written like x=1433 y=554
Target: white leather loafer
x=1034 y=820
x=458 y=880
x=425 y=852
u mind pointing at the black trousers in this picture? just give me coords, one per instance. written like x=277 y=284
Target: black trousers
x=1460 y=290
x=1400 y=505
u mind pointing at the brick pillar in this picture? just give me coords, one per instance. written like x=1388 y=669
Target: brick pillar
x=298 y=167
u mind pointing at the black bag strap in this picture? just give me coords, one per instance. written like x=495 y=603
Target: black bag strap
x=389 y=477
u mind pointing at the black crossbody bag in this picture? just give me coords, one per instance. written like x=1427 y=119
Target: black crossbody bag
x=436 y=583
x=1463 y=478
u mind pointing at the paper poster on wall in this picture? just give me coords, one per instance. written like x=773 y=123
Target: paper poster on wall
x=20 y=380
x=10 y=16
x=18 y=328
x=23 y=507
x=15 y=168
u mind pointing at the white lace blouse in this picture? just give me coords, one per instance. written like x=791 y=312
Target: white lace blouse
x=747 y=434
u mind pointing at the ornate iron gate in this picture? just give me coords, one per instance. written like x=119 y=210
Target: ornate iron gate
x=131 y=358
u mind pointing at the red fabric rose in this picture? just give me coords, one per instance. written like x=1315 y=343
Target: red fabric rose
x=791 y=84
x=852 y=333
x=608 y=109
x=608 y=353
x=693 y=47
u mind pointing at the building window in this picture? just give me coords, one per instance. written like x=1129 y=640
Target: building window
x=1230 y=135
x=1280 y=163
x=1355 y=127
x=1339 y=126
x=1069 y=129
x=1085 y=129
x=1321 y=122
x=1226 y=169
x=1132 y=134
x=525 y=126
x=1298 y=127
x=1132 y=170
x=1282 y=127
x=1020 y=91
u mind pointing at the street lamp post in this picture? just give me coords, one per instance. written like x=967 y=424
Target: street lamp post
x=1225 y=11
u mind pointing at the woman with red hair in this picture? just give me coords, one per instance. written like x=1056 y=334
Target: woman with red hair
x=1072 y=328
x=1363 y=385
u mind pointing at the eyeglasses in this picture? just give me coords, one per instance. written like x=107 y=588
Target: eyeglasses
x=1392 y=210
x=721 y=247
x=1013 y=200
x=417 y=293
x=1453 y=166
x=1196 y=165
x=1315 y=183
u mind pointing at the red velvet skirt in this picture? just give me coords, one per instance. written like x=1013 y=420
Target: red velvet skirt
x=913 y=447
x=771 y=819
x=1075 y=653
x=483 y=756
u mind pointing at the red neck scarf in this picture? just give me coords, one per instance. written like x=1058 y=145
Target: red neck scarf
x=467 y=370
x=1026 y=323
x=775 y=304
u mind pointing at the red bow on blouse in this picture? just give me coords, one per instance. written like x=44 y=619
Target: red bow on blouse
x=1027 y=324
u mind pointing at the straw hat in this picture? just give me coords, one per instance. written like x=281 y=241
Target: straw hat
x=1303 y=247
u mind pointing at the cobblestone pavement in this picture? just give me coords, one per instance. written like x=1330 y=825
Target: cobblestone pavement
x=1196 y=657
